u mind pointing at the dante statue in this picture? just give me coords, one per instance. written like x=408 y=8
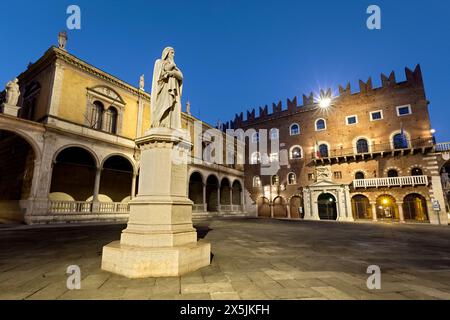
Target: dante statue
x=167 y=88
x=12 y=92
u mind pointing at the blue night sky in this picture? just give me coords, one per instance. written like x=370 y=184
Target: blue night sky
x=238 y=55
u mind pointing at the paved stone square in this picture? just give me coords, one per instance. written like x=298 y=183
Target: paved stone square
x=252 y=259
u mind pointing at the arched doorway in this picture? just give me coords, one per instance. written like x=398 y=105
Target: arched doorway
x=387 y=208
x=225 y=190
x=73 y=175
x=263 y=207
x=116 y=179
x=279 y=208
x=327 y=207
x=16 y=175
x=361 y=207
x=296 y=207
x=196 y=188
x=415 y=207
x=237 y=193
x=212 y=188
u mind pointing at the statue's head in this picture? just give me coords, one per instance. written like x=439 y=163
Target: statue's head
x=168 y=52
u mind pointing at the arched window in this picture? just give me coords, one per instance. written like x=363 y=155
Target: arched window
x=292 y=178
x=294 y=129
x=274 y=134
x=255 y=158
x=323 y=150
x=400 y=141
x=359 y=175
x=321 y=125
x=111 y=120
x=416 y=172
x=392 y=173
x=256 y=182
x=296 y=152
x=275 y=180
x=362 y=146
x=96 y=116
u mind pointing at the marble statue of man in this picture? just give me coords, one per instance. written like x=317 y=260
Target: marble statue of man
x=167 y=88
x=12 y=92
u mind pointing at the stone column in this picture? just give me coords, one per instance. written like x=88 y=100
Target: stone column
x=400 y=212
x=95 y=201
x=288 y=209
x=133 y=186
x=218 y=199
x=374 y=211
x=159 y=240
x=272 y=215
x=205 y=205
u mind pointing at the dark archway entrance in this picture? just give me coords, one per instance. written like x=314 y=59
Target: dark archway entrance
x=116 y=179
x=296 y=207
x=73 y=175
x=327 y=207
x=279 y=208
x=196 y=188
x=361 y=207
x=237 y=193
x=415 y=208
x=225 y=192
x=212 y=187
x=16 y=175
x=263 y=208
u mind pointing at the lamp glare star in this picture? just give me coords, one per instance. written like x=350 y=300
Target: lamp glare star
x=324 y=102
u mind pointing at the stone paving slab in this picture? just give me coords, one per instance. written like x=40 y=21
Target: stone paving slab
x=253 y=260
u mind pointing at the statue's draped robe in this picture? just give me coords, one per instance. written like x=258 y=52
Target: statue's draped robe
x=166 y=97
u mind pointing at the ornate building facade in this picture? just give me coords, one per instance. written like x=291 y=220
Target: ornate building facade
x=369 y=155
x=68 y=152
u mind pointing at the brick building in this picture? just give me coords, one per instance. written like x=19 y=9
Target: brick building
x=369 y=155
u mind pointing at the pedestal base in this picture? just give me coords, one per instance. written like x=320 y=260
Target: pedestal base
x=10 y=110
x=144 y=262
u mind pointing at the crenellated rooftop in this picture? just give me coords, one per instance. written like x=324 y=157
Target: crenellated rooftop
x=413 y=79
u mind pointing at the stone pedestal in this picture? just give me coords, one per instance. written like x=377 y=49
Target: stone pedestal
x=10 y=110
x=159 y=240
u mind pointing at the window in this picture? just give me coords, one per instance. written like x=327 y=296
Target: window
x=376 y=115
x=321 y=125
x=273 y=134
x=275 y=180
x=404 y=110
x=294 y=129
x=416 y=172
x=111 y=120
x=323 y=150
x=337 y=174
x=256 y=182
x=96 y=116
x=255 y=158
x=352 y=120
x=359 y=175
x=310 y=176
x=255 y=137
x=274 y=157
x=362 y=146
x=392 y=173
x=292 y=178
x=296 y=153
x=400 y=141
